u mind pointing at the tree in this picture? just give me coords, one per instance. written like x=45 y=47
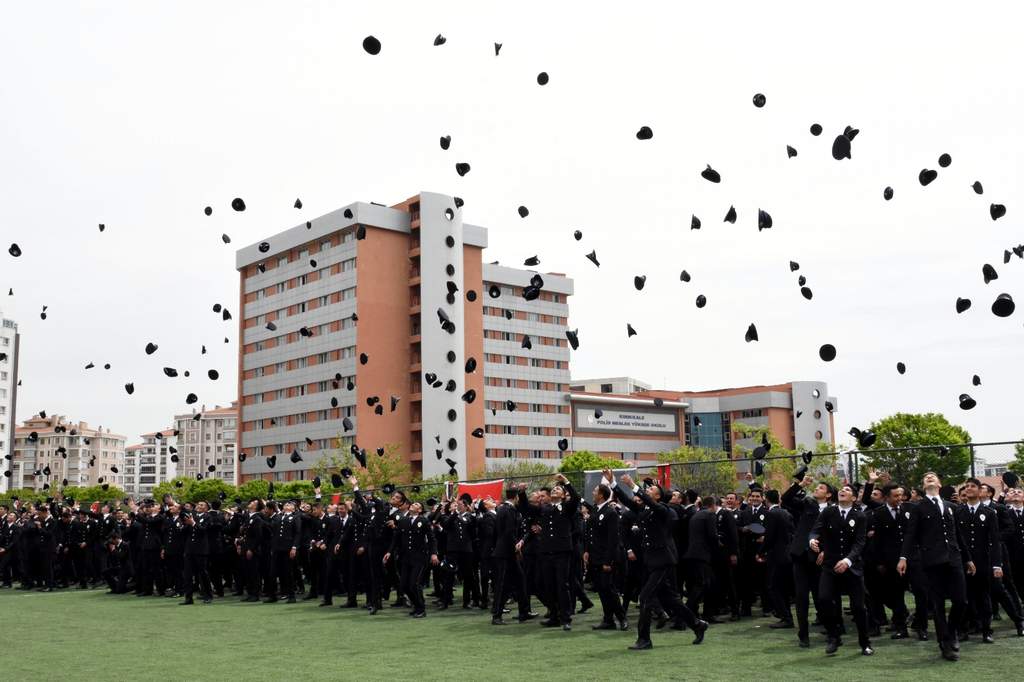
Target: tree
x=93 y=493
x=517 y=468
x=708 y=471
x=585 y=460
x=910 y=430
x=1017 y=465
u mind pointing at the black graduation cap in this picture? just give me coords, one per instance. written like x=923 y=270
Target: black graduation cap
x=945 y=160
x=378 y=409
x=976 y=380
x=271 y=461
x=790 y=151
x=598 y=413
x=210 y=469
x=841 y=147
x=658 y=402
x=171 y=372
x=592 y=256
x=563 y=444
x=1003 y=306
x=64 y=483
x=542 y=78
x=758 y=468
x=997 y=211
x=469 y=396
x=807 y=456
x=241 y=457
x=962 y=304
x=829 y=406
x=1011 y=479
x=470 y=365
x=701 y=300
x=238 y=204
x=532 y=261
x=901 y=368
x=711 y=175
x=527 y=344
x=764 y=220
x=191 y=398
x=988 y=273
x=967 y=402
x=759 y=100
x=510 y=405
x=645 y=133
x=639 y=281
x=371 y=45
x=478 y=432
x=573 y=336
x=926 y=177
x=226 y=314
x=179 y=484
x=684 y=276
x=806 y=293
x=14 y=250
x=523 y=212
x=751 y=334
x=130 y=388
x=978 y=189
x=450 y=386
x=363 y=358
x=462 y=168
x=577 y=235
x=827 y=352
x=815 y=129
x=151 y=348
x=694 y=222
x=887 y=193
x=629 y=330
x=225 y=238
x=531 y=292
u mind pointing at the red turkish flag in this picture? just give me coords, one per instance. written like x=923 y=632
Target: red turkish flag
x=479 y=491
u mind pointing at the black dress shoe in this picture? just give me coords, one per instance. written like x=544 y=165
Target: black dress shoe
x=699 y=628
x=497 y=621
x=586 y=607
x=372 y=611
x=805 y=643
x=623 y=624
x=291 y=600
x=867 y=651
x=419 y=614
x=523 y=617
x=987 y=638
x=549 y=623
x=832 y=647
x=922 y=635
x=899 y=634
x=781 y=625
x=207 y=600
x=950 y=655
x=1020 y=628
x=603 y=626
x=641 y=645
x=566 y=627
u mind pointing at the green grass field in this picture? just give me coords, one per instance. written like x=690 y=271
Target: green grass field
x=91 y=636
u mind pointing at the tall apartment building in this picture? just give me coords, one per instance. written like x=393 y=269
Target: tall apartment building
x=405 y=362
x=9 y=344
x=209 y=438
x=619 y=385
x=798 y=413
x=66 y=449
x=149 y=463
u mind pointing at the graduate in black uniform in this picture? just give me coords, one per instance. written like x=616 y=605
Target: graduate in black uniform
x=198 y=526
x=414 y=534
x=285 y=534
x=254 y=536
x=655 y=521
x=600 y=555
x=509 y=578
x=933 y=531
x=773 y=552
x=839 y=536
x=806 y=570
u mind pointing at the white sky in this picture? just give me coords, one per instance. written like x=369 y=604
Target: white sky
x=138 y=115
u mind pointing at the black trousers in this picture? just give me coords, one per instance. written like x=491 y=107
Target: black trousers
x=465 y=563
x=831 y=587
x=779 y=575
x=919 y=588
x=751 y=581
x=218 y=571
x=81 y=558
x=328 y=574
x=356 y=573
x=806 y=575
x=486 y=564
x=611 y=606
x=509 y=579
x=659 y=589
x=946 y=581
x=8 y=563
x=149 y=573
x=555 y=574
x=375 y=574
x=283 y=571
x=252 y=574
x=890 y=591
x=411 y=580
x=699 y=581
x=196 y=569
x=174 y=566
x=317 y=564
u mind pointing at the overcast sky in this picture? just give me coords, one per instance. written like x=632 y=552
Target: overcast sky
x=137 y=115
